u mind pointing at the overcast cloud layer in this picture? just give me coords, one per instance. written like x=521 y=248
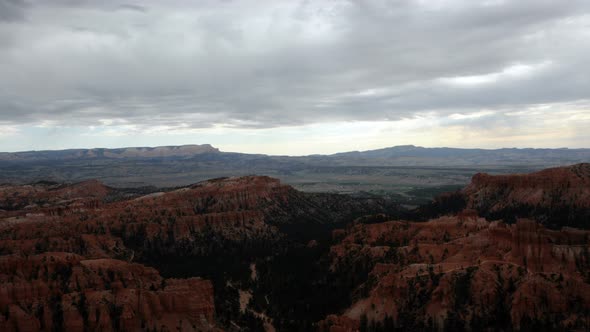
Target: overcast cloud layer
x=505 y=71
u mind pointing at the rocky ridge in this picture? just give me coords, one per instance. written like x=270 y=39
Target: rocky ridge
x=87 y=256
x=555 y=197
x=118 y=153
x=68 y=248
x=97 y=232
x=64 y=291
x=458 y=273
x=461 y=271
x=552 y=188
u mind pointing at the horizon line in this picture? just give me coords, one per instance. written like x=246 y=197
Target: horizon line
x=288 y=155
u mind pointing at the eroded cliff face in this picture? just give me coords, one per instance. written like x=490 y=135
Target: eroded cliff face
x=462 y=271
x=466 y=273
x=63 y=291
x=176 y=222
x=551 y=187
x=66 y=252
x=215 y=229
x=253 y=253
x=233 y=208
x=556 y=196
x=49 y=197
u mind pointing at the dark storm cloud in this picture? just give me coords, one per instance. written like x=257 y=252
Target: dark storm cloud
x=266 y=63
x=134 y=7
x=12 y=10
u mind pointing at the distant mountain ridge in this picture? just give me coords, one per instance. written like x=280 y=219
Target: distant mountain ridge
x=118 y=153
x=401 y=155
x=398 y=169
x=405 y=154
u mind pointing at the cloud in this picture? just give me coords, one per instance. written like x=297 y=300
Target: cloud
x=265 y=64
x=11 y=10
x=132 y=7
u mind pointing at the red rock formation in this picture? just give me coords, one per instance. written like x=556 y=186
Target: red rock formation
x=334 y=323
x=57 y=290
x=66 y=256
x=71 y=248
x=176 y=217
x=51 y=199
x=563 y=192
x=458 y=271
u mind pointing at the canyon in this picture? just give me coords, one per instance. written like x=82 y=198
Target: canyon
x=506 y=252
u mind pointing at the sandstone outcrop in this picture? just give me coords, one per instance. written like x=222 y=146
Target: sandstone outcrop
x=64 y=291
x=466 y=273
x=89 y=257
x=62 y=244
x=555 y=196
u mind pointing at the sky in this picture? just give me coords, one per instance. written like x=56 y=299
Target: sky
x=294 y=77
